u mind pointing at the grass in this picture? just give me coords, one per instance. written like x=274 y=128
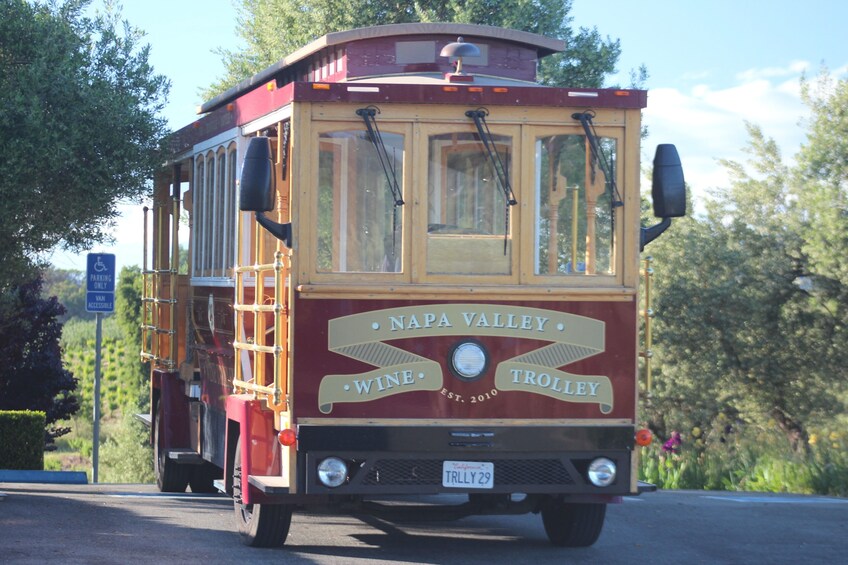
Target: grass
x=749 y=460
x=124 y=455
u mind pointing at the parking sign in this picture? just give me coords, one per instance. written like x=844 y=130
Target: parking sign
x=100 y=282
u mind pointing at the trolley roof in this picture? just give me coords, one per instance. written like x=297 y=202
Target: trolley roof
x=401 y=49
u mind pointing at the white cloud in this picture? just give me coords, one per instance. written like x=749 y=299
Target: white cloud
x=708 y=124
x=794 y=68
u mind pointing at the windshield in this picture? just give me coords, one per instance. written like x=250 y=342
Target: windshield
x=467 y=226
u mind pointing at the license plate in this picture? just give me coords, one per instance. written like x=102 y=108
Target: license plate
x=468 y=474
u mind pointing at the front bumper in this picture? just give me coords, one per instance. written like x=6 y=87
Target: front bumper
x=409 y=459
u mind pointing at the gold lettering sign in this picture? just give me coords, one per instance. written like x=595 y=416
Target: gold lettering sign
x=363 y=336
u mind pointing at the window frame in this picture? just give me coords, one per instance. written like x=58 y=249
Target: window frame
x=531 y=133
x=421 y=237
x=404 y=213
x=213 y=218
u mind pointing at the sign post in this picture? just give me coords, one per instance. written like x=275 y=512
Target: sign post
x=100 y=299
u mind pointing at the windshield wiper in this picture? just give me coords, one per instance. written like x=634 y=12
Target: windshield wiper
x=585 y=119
x=479 y=117
x=368 y=115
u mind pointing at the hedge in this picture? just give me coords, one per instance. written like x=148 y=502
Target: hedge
x=22 y=439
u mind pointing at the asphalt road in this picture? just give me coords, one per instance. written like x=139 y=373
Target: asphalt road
x=102 y=524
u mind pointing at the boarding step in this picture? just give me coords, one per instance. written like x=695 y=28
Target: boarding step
x=185 y=456
x=269 y=484
x=646 y=487
x=145 y=419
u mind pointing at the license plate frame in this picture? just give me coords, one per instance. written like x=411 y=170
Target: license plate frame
x=468 y=475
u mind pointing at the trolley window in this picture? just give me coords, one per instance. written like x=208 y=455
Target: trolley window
x=575 y=215
x=360 y=224
x=468 y=217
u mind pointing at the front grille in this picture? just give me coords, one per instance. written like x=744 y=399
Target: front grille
x=428 y=472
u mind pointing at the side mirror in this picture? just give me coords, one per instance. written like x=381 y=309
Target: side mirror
x=257 y=177
x=256 y=188
x=668 y=192
x=669 y=187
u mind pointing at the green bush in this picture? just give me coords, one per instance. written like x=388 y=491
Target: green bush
x=739 y=458
x=22 y=439
x=126 y=457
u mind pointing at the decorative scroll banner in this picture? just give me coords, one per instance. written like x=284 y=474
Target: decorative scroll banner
x=362 y=337
x=555 y=384
x=422 y=375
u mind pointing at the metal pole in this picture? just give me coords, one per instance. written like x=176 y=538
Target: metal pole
x=96 y=441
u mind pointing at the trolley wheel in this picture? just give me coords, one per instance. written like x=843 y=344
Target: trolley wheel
x=203 y=477
x=259 y=525
x=170 y=477
x=570 y=524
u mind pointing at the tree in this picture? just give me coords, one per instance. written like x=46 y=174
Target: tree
x=128 y=314
x=741 y=330
x=68 y=286
x=79 y=127
x=33 y=377
x=822 y=190
x=272 y=29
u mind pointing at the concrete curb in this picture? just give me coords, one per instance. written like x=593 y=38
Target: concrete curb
x=55 y=477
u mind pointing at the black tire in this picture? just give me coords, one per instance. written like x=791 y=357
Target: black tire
x=202 y=479
x=571 y=524
x=170 y=477
x=259 y=525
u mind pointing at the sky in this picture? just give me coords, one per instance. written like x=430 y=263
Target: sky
x=713 y=65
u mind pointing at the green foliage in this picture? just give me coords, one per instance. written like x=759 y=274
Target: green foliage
x=80 y=101
x=126 y=456
x=748 y=458
x=122 y=385
x=752 y=304
x=33 y=377
x=22 y=439
x=128 y=303
x=272 y=29
x=68 y=286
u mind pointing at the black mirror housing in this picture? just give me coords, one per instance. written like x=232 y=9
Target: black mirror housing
x=256 y=187
x=669 y=187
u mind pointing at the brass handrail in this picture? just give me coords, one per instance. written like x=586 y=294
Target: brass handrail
x=647 y=314
x=152 y=302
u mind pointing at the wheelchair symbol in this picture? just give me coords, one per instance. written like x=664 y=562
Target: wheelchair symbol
x=99 y=266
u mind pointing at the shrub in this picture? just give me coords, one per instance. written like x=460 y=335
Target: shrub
x=22 y=439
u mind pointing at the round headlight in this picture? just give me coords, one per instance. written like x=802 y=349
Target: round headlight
x=332 y=472
x=602 y=472
x=468 y=360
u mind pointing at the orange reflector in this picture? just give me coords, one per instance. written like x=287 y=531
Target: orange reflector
x=320 y=86
x=230 y=107
x=287 y=437
x=475 y=89
x=500 y=90
x=450 y=89
x=271 y=85
x=622 y=93
x=643 y=437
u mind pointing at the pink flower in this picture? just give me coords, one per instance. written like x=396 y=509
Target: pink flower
x=673 y=443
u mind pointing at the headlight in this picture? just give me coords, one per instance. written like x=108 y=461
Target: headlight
x=602 y=472
x=332 y=472
x=468 y=360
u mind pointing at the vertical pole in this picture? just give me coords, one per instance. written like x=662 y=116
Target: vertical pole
x=175 y=268
x=648 y=313
x=574 y=214
x=96 y=441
